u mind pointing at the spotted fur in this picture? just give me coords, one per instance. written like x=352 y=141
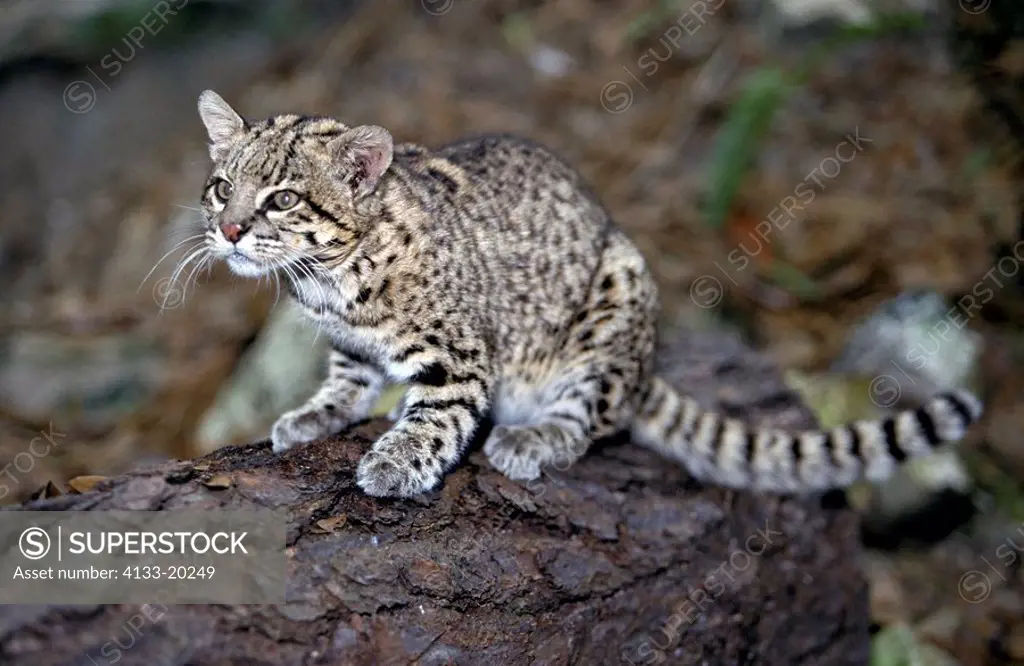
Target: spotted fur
x=487 y=278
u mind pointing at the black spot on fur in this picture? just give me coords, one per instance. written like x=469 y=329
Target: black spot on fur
x=829 y=446
x=319 y=210
x=407 y=352
x=716 y=435
x=677 y=418
x=607 y=283
x=351 y=355
x=892 y=441
x=959 y=407
x=927 y=425
x=460 y=354
x=364 y=295
x=447 y=182
x=434 y=374
x=796 y=449
x=854 y=442
x=442 y=405
x=566 y=416
x=750 y=446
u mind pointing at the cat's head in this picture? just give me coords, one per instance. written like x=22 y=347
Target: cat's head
x=288 y=188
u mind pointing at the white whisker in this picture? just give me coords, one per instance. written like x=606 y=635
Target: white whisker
x=193 y=275
x=167 y=254
x=316 y=283
x=177 y=272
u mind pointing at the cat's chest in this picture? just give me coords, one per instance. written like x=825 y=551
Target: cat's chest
x=331 y=315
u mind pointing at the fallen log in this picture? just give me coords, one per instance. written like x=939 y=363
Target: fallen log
x=620 y=559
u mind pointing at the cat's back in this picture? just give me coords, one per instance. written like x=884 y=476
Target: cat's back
x=512 y=170
x=531 y=232
x=522 y=191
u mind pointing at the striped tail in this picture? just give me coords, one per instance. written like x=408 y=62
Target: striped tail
x=729 y=453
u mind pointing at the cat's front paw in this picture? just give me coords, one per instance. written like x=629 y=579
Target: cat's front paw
x=304 y=425
x=389 y=471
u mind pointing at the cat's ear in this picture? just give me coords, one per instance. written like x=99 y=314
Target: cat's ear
x=362 y=155
x=223 y=124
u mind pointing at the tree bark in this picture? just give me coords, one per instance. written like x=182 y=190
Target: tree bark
x=619 y=559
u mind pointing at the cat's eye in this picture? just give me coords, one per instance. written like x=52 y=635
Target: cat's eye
x=223 y=189
x=285 y=199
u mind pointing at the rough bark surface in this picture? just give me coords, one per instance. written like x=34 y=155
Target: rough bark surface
x=585 y=567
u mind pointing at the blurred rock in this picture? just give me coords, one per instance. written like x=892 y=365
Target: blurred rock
x=806 y=11
x=278 y=372
x=919 y=342
x=887 y=600
x=940 y=628
x=96 y=382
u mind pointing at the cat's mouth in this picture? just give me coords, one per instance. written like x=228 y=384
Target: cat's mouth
x=240 y=264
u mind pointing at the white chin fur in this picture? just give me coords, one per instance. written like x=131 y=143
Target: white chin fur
x=246 y=267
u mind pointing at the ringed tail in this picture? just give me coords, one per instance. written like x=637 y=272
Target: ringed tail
x=727 y=452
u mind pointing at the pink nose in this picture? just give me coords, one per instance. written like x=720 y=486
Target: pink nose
x=231 y=231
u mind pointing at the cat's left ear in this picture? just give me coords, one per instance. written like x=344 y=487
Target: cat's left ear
x=362 y=155
x=223 y=123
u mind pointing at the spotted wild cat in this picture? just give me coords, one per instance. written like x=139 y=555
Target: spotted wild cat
x=486 y=277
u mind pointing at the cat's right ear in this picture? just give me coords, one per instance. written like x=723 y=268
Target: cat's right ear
x=363 y=154
x=223 y=124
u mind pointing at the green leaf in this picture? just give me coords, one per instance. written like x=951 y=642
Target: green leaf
x=739 y=140
x=894 y=646
x=661 y=16
x=638 y=28
x=792 y=280
x=517 y=31
x=977 y=162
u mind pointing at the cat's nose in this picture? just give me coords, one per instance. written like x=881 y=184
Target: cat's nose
x=232 y=231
